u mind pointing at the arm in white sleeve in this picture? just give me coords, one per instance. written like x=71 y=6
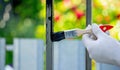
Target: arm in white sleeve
x=104 y=49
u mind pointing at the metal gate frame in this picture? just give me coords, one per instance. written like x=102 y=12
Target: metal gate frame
x=49 y=32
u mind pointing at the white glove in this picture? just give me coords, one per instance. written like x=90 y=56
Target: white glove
x=105 y=49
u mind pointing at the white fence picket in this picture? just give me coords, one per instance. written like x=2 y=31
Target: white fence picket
x=2 y=53
x=69 y=55
x=28 y=54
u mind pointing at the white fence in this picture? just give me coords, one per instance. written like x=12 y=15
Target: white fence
x=2 y=53
x=69 y=55
x=29 y=55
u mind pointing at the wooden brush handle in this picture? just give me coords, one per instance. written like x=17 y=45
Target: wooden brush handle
x=81 y=32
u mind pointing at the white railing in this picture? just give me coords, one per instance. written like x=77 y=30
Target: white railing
x=29 y=55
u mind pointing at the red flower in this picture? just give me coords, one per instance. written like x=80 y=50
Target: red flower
x=79 y=14
x=74 y=8
x=67 y=2
x=57 y=18
x=118 y=16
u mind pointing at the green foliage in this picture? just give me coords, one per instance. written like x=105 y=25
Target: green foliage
x=9 y=57
x=6 y=0
x=29 y=8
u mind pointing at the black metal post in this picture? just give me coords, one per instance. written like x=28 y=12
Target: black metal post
x=49 y=31
x=88 y=22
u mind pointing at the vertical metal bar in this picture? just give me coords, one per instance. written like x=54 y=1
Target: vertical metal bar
x=88 y=12
x=49 y=31
x=88 y=21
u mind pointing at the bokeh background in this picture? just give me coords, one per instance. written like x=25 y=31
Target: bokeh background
x=27 y=18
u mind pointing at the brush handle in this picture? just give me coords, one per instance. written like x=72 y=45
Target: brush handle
x=82 y=32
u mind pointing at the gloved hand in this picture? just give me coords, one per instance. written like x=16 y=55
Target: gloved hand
x=104 y=49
